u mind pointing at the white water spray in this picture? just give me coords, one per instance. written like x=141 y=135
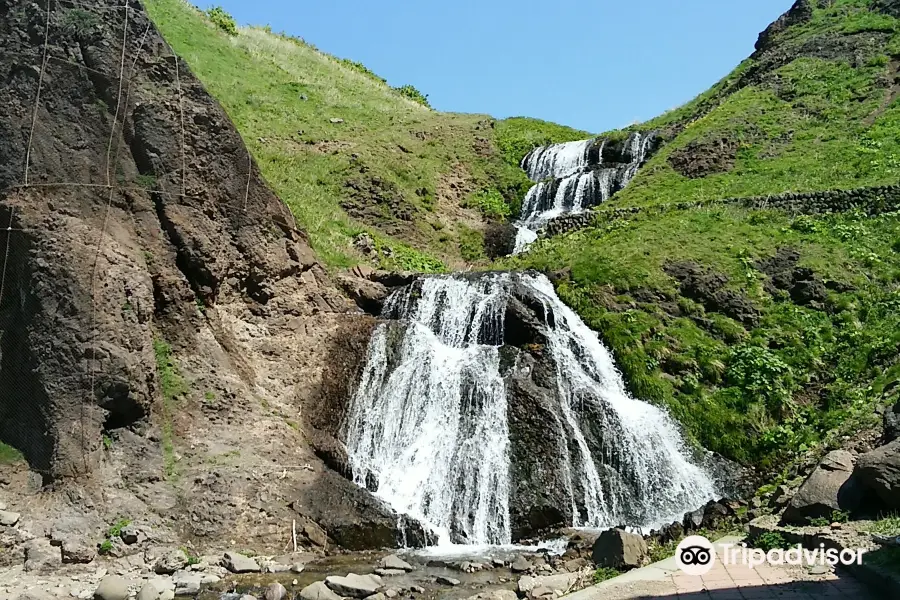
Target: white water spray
x=429 y=419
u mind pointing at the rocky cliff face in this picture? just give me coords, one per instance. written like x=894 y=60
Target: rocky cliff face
x=135 y=222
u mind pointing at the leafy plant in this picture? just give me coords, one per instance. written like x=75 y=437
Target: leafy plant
x=222 y=20
x=490 y=202
x=770 y=540
x=408 y=91
x=173 y=387
x=105 y=547
x=9 y=455
x=78 y=22
x=107 y=442
x=604 y=573
x=115 y=530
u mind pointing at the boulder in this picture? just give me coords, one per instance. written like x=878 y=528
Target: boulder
x=9 y=519
x=156 y=589
x=828 y=488
x=353 y=585
x=238 y=563
x=392 y=561
x=112 y=587
x=357 y=520
x=40 y=557
x=879 y=471
x=275 y=591
x=447 y=580
x=520 y=565
x=74 y=552
x=389 y=572
x=318 y=591
x=170 y=562
x=619 y=549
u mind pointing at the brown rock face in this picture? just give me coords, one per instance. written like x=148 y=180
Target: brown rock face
x=131 y=201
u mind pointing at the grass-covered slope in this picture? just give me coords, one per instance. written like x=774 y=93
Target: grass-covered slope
x=692 y=302
x=813 y=109
x=418 y=180
x=765 y=333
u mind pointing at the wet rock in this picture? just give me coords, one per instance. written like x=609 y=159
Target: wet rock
x=879 y=471
x=170 y=562
x=520 y=565
x=275 y=591
x=828 y=488
x=389 y=572
x=353 y=585
x=392 y=561
x=112 y=587
x=9 y=519
x=238 y=563
x=447 y=580
x=157 y=589
x=188 y=583
x=318 y=591
x=495 y=595
x=357 y=520
x=619 y=549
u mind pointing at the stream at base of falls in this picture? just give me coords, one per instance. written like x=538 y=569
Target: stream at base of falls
x=487 y=410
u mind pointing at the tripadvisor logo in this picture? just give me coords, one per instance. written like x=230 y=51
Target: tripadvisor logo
x=695 y=555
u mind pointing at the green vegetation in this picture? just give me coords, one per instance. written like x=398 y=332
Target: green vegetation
x=769 y=540
x=837 y=516
x=222 y=20
x=105 y=547
x=282 y=93
x=759 y=393
x=173 y=388
x=115 y=530
x=604 y=573
x=762 y=391
x=408 y=91
x=9 y=455
x=78 y=22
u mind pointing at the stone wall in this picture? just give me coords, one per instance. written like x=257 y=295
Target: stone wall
x=871 y=200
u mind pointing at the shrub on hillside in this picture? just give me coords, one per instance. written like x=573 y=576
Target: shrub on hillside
x=361 y=68
x=408 y=91
x=222 y=20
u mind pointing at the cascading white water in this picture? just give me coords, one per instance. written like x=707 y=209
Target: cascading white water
x=580 y=181
x=556 y=160
x=429 y=424
x=429 y=420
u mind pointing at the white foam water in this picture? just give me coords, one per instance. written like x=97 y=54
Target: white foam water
x=429 y=423
x=556 y=160
x=576 y=188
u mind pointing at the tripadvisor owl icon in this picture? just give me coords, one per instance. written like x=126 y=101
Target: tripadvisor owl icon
x=695 y=555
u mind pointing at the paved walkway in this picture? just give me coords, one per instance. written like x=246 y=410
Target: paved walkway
x=726 y=582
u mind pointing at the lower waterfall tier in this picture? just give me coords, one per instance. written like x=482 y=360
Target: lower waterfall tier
x=490 y=411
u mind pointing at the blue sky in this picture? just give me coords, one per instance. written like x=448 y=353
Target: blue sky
x=592 y=64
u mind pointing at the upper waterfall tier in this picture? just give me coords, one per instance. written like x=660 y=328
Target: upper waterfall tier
x=557 y=160
x=489 y=410
x=574 y=176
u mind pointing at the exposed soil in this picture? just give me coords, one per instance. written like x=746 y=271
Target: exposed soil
x=699 y=159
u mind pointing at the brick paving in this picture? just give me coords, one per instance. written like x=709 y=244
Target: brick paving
x=727 y=582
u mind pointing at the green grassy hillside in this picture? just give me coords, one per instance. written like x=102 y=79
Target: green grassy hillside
x=815 y=108
x=765 y=333
x=417 y=179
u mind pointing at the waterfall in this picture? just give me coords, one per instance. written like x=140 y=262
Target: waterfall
x=428 y=430
x=572 y=177
x=556 y=160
